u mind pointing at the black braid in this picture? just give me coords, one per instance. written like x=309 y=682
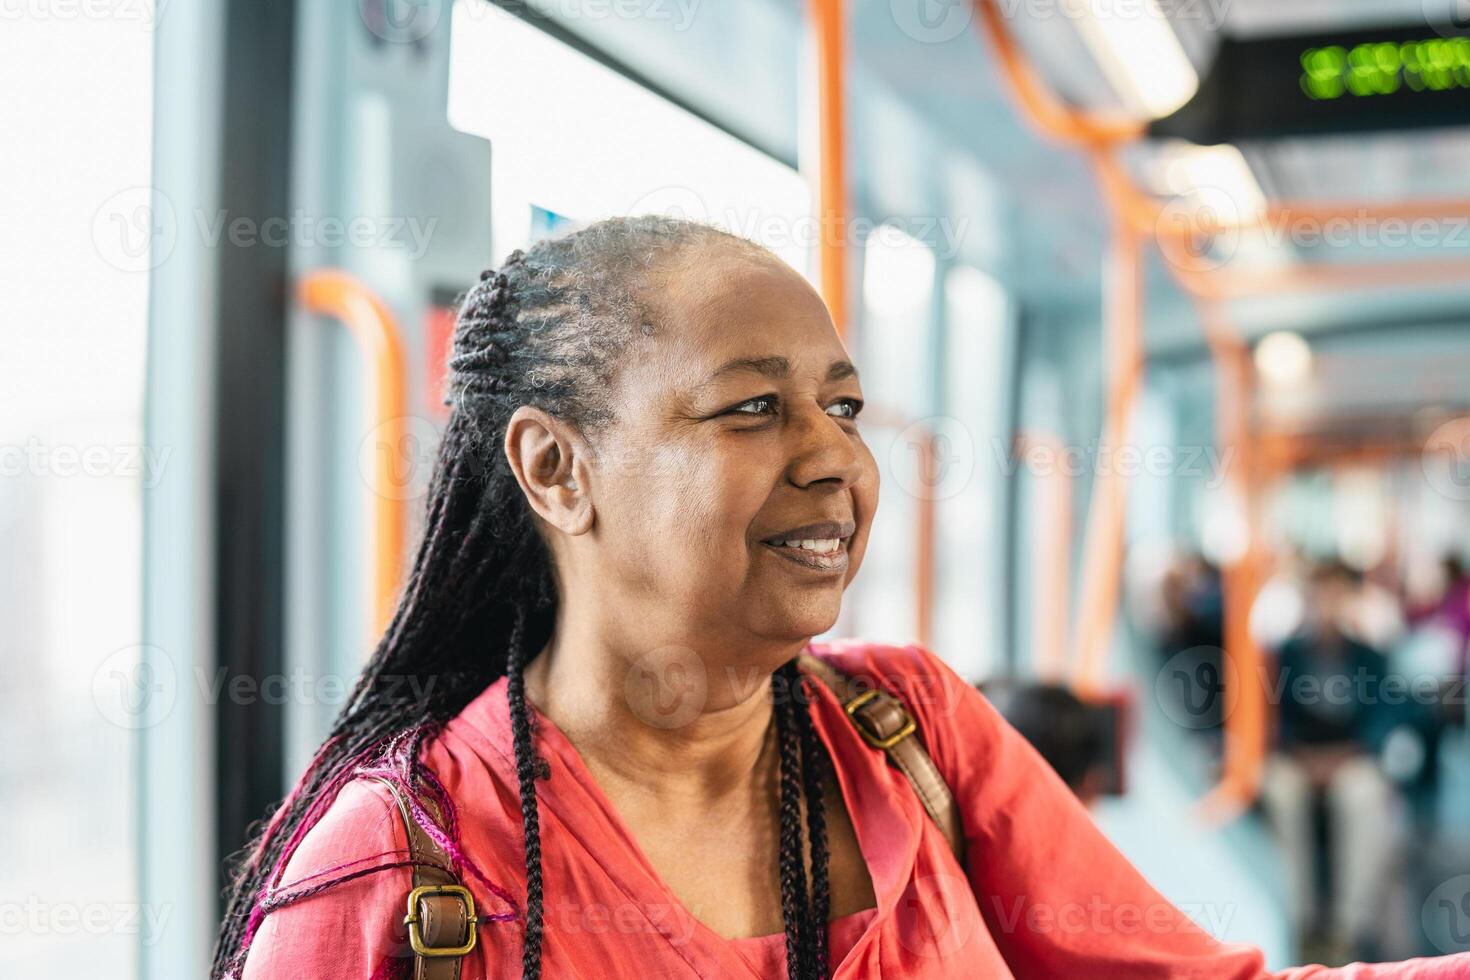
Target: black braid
x=546 y=329
x=795 y=909
x=814 y=763
x=527 y=769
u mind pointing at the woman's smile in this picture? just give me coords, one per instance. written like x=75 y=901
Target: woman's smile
x=818 y=547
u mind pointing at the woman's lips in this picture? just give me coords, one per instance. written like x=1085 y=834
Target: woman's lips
x=828 y=556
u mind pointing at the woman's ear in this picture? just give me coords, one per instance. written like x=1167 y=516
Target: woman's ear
x=549 y=461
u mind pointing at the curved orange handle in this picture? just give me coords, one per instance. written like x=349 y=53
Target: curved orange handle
x=329 y=292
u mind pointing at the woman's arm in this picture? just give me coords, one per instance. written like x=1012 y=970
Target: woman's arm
x=1058 y=897
x=351 y=929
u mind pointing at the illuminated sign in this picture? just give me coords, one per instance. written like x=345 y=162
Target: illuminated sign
x=1385 y=79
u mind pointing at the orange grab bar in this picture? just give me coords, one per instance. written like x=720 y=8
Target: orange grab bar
x=1103 y=550
x=1038 y=104
x=336 y=294
x=924 y=547
x=829 y=25
x=1246 y=724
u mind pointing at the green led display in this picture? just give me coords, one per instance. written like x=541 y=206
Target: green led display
x=1384 y=67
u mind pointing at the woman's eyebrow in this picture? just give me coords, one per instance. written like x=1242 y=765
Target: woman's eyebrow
x=776 y=367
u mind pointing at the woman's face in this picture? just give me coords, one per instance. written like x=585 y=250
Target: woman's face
x=734 y=435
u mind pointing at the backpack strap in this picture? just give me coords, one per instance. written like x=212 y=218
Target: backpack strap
x=442 y=928
x=883 y=722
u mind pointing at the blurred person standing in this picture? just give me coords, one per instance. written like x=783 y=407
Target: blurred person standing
x=1332 y=721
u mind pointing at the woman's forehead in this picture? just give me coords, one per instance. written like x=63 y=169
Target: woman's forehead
x=719 y=310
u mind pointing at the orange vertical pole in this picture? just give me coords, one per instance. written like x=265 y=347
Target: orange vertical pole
x=1245 y=718
x=829 y=27
x=1102 y=559
x=924 y=546
x=336 y=294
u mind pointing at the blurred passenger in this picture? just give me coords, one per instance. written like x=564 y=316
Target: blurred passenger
x=1191 y=636
x=1063 y=728
x=1331 y=724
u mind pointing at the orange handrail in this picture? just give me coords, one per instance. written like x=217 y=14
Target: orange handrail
x=1103 y=549
x=1099 y=137
x=1038 y=104
x=1245 y=720
x=329 y=292
x=829 y=26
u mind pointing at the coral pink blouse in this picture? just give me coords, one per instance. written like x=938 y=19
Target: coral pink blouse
x=1044 y=893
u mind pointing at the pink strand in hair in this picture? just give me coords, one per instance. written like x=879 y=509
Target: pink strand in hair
x=396 y=760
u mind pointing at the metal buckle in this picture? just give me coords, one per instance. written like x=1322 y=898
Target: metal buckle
x=416 y=938
x=908 y=727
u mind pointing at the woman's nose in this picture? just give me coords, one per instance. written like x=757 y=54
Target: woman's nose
x=822 y=449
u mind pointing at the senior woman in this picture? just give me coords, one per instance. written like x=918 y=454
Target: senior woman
x=590 y=710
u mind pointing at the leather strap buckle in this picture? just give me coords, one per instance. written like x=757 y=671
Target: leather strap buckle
x=415 y=923
x=867 y=725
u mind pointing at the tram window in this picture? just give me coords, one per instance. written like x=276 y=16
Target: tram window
x=615 y=148
x=73 y=464
x=977 y=318
x=894 y=357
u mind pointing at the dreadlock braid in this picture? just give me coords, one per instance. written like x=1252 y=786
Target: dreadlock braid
x=546 y=329
x=814 y=764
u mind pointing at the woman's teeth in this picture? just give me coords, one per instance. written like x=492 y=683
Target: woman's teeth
x=819 y=545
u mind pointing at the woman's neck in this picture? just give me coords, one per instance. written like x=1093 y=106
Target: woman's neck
x=668 y=723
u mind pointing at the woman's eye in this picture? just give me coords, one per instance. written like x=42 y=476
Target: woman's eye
x=851 y=407
x=768 y=401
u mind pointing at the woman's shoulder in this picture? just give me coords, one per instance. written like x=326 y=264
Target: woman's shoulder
x=958 y=725
x=340 y=893
x=910 y=671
